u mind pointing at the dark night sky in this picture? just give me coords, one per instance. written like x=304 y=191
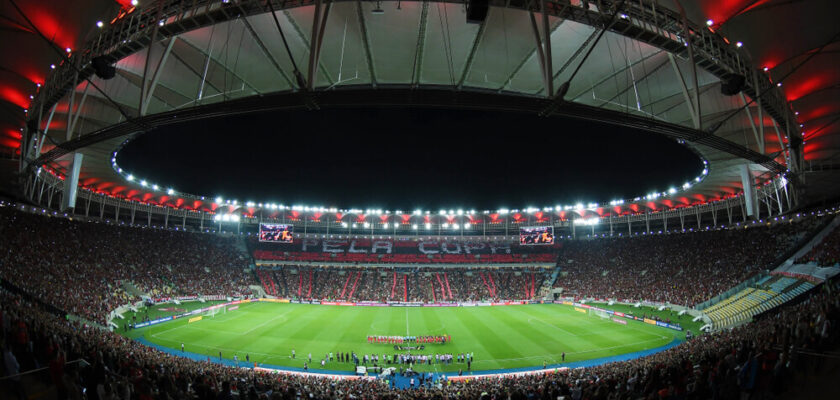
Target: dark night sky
x=409 y=158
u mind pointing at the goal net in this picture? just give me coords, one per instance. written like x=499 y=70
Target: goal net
x=596 y=313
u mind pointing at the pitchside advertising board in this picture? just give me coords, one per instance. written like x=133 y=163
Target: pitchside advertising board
x=276 y=233
x=536 y=235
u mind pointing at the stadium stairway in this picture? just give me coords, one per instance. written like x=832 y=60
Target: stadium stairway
x=768 y=294
x=133 y=290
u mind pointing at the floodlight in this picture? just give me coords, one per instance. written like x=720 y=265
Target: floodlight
x=130 y=177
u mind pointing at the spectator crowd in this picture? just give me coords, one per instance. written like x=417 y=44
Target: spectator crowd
x=83 y=267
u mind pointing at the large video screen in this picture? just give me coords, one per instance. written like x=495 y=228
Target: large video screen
x=276 y=233
x=536 y=235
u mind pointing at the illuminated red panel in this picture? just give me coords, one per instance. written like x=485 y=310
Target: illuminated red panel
x=338 y=216
x=383 y=218
x=812 y=83
x=196 y=204
x=50 y=26
x=317 y=216
x=721 y=11
x=14 y=96
x=360 y=218
x=494 y=218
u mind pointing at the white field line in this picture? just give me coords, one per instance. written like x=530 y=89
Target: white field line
x=283 y=315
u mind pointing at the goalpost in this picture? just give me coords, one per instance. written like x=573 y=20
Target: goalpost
x=212 y=313
x=602 y=314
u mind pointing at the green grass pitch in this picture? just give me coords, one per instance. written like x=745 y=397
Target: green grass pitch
x=499 y=337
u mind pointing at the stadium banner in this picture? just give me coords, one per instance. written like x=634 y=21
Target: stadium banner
x=620 y=314
x=667 y=325
x=195 y=319
x=371 y=304
x=294 y=301
x=468 y=378
x=580 y=310
x=153 y=322
x=431 y=305
x=213 y=297
x=481 y=304
x=316 y=302
x=620 y=321
x=649 y=321
x=468 y=304
x=314 y=374
x=329 y=303
x=346 y=303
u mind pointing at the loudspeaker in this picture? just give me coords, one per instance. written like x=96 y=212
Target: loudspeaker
x=477 y=11
x=103 y=68
x=732 y=85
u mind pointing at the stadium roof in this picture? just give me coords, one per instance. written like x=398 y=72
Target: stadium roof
x=223 y=57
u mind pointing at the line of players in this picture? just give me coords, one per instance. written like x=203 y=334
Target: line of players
x=376 y=339
x=386 y=359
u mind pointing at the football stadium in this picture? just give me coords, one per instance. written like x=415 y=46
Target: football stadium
x=473 y=199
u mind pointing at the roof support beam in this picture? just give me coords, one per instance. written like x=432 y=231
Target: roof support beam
x=471 y=57
x=126 y=74
x=539 y=52
x=141 y=108
x=366 y=42
x=267 y=53
x=525 y=59
x=319 y=24
x=549 y=70
x=308 y=43
x=417 y=68
x=72 y=126
x=146 y=93
x=759 y=139
x=43 y=137
x=693 y=63
x=695 y=117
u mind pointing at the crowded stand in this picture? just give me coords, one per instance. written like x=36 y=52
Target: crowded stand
x=408 y=284
x=757 y=359
x=826 y=253
x=82 y=267
x=683 y=269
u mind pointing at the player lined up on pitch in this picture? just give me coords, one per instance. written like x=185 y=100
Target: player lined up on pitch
x=378 y=339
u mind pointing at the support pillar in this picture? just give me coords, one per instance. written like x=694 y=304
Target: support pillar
x=750 y=196
x=71 y=183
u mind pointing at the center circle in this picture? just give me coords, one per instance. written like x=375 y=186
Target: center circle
x=409 y=157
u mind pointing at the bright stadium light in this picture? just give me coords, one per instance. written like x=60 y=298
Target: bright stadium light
x=144 y=183
x=442 y=212
x=170 y=191
x=417 y=212
x=454 y=226
x=385 y=225
x=428 y=226
x=219 y=200
x=467 y=225
x=460 y=212
x=217 y=218
x=672 y=190
x=367 y=225
x=343 y=224
x=130 y=178
x=414 y=226
x=444 y=225
x=579 y=206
